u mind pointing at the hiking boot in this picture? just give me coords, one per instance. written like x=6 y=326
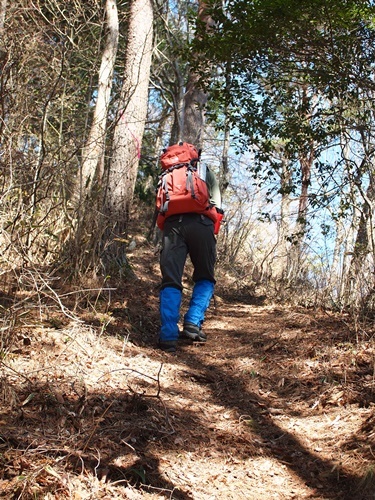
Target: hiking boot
x=167 y=345
x=193 y=332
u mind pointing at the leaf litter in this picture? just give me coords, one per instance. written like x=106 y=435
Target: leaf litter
x=278 y=404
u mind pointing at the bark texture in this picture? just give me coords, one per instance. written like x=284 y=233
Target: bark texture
x=131 y=115
x=93 y=151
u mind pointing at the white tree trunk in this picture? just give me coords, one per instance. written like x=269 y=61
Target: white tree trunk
x=93 y=151
x=3 y=9
x=131 y=115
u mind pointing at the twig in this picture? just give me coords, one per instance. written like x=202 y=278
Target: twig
x=88 y=290
x=16 y=372
x=157 y=380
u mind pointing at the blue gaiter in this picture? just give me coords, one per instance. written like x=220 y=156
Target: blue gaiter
x=200 y=300
x=170 y=302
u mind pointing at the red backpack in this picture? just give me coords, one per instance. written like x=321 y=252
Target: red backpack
x=180 y=188
x=179 y=154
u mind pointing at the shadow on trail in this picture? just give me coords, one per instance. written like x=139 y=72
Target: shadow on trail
x=107 y=437
x=327 y=478
x=132 y=439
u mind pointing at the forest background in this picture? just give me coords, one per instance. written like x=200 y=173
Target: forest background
x=279 y=96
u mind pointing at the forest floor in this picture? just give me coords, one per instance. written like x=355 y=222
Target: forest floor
x=278 y=404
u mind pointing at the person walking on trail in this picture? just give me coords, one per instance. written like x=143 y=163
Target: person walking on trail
x=189 y=228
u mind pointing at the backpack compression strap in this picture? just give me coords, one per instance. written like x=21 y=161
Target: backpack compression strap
x=164 y=184
x=189 y=181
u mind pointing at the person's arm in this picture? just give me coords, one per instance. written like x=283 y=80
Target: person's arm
x=215 y=199
x=213 y=189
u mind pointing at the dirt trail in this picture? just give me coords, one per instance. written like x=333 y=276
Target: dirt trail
x=278 y=404
x=270 y=407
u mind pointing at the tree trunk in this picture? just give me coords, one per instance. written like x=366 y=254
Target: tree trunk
x=178 y=107
x=3 y=48
x=194 y=104
x=306 y=163
x=338 y=277
x=86 y=190
x=224 y=171
x=3 y=9
x=362 y=247
x=295 y=254
x=195 y=99
x=130 y=124
x=93 y=151
x=284 y=228
x=306 y=159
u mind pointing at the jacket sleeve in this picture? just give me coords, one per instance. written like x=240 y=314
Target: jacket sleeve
x=213 y=189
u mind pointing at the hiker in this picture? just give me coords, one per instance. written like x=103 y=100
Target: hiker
x=190 y=231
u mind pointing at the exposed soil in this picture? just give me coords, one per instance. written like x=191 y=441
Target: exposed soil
x=278 y=404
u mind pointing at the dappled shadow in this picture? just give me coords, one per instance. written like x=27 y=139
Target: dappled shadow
x=103 y=434
x=251 y=367
x=230 y=391
x=283 y=445
x=277 y=344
